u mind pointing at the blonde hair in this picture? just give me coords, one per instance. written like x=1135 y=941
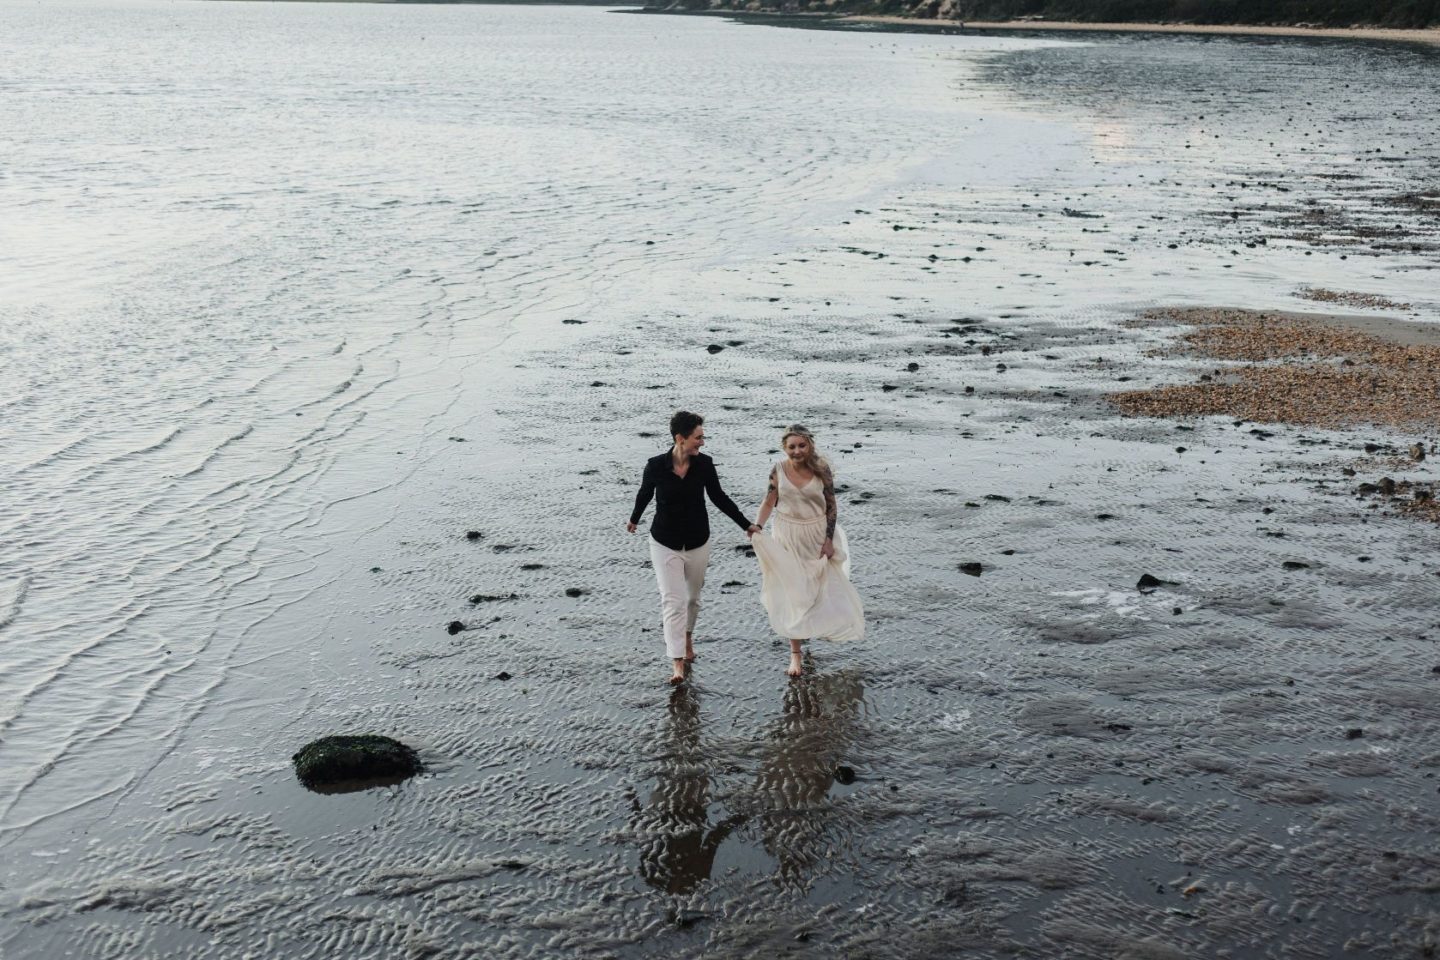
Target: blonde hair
x=815 y=463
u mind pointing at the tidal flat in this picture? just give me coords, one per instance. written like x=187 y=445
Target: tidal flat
x=301 y=296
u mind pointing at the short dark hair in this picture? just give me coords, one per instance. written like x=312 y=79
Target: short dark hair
x=684 y=423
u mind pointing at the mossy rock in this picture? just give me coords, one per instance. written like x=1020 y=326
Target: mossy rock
x=343 y=763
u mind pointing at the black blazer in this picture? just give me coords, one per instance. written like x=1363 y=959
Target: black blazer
x=681 y=520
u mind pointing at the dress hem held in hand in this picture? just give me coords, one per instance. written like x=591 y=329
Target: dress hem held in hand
x=806 y=595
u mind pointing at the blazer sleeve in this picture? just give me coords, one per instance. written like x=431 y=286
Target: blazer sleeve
x=723 y=501
x=647 y=491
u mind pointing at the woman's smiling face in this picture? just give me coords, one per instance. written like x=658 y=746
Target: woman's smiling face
x=691 y=445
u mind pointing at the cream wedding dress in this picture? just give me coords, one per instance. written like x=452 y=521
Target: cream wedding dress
x=806 y=595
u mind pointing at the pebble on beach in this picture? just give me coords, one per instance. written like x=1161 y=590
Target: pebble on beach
x=1297 y=369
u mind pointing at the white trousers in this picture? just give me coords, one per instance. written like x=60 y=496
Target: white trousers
x=680 y=574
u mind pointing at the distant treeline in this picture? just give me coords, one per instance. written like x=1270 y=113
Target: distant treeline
x=1328 y=13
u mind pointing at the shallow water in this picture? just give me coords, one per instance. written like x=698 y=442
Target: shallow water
x=285 y=315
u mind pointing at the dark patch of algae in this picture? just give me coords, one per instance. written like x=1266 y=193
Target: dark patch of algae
x=342 y=764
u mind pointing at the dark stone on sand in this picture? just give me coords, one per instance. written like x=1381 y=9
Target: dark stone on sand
x=574 y=592
x=715 y=348
x=366 y=757
x=502 y=675
x=455 y=627
x=472 y=534
x=1365 y=489
x=1104 y=516
x=844 y=774
x=532 y=566
x=1295 y=565
x=912 y=366
x=1149 y=584
x=1354 y=733
x=492 y=597
x=1417 y=452
x=887 y=387
x=969 y=389
x=971 y=569
x=1179 y=449
x=1387 y=487
x=685 y=919
x=572 y=321
x=997 y=497
x=1176 y=611
x=1423 y=495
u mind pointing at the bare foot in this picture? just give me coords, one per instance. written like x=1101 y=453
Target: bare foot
x=678 y=676
x=795 y=668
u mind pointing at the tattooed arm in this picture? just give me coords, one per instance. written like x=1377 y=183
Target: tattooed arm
x=772 y=497
x=832 y=514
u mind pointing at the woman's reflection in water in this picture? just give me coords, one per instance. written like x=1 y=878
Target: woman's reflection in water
x=818 y=722
x=679 y=853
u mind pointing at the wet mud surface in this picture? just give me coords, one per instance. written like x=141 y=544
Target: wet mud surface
x=1187 y=708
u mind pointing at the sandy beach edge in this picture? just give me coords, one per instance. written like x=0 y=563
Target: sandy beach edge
x=1427 y=36
x=1381 y=326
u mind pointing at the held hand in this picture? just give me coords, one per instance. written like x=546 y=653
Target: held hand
x=827 y=549
x=629 y=527
x=751 y=530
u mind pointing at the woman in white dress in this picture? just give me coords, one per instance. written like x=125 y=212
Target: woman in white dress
x=805 y=562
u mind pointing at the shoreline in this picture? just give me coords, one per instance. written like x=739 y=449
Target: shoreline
x=1429 y=36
